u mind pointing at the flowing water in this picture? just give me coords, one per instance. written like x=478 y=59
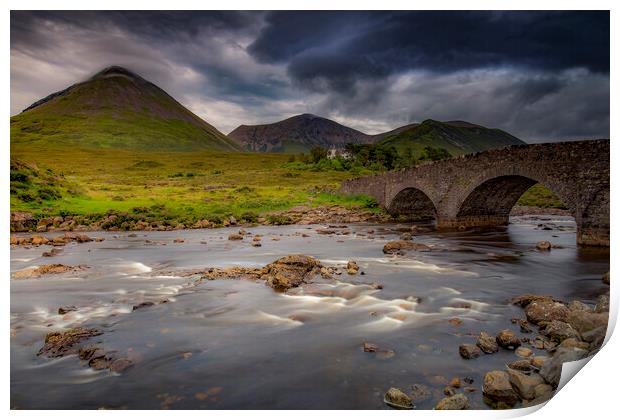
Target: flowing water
x=239 y=344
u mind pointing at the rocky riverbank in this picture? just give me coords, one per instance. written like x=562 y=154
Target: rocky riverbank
x=563 y=332
x=123 y=221
x=301 y=215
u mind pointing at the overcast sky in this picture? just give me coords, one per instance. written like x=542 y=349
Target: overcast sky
x=541 y=76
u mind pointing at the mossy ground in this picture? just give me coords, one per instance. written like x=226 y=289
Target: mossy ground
x=178 y=187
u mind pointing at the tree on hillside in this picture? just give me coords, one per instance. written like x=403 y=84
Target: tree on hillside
x=317 y=153
x=436 y=153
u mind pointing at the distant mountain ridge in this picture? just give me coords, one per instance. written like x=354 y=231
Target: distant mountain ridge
x=302 y=132
x=296 y=134
x=457 y=137
x=117 y=108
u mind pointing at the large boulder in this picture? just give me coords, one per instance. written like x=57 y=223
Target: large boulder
x=393 y=247
x=552 y=368
x=496 y=387
x=546 y=311
x=455 y=402
x=291 y=271
x=525 y=385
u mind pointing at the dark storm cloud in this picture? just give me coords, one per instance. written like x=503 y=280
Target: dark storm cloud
x=339 y=48
x=540 y=75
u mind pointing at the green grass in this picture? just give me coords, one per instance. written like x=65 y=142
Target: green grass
x=540 y=196
x=177 y=187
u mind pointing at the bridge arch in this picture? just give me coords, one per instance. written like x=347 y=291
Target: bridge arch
x=413 y=203
x=490 y=201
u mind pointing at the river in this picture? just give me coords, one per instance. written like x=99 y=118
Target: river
x=238 y=344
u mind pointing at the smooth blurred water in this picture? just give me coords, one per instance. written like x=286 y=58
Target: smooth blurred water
x=238 y=344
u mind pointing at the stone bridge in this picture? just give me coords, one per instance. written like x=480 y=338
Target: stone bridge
x=480 y=189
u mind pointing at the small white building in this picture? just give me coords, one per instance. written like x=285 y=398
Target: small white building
x=334 y=152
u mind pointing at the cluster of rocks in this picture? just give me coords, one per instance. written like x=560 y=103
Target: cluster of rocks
x=282 y=274
x=78 y=341
x=455 y=398
x=239 y=236
x=35 y=272
x=304 y=215
x=566 y=332
x=529 y=210
x=61 y=240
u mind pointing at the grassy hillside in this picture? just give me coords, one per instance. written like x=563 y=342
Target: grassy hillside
x=457 y=137
x=116 y=109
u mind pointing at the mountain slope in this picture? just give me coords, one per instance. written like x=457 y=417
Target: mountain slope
x=116 y=109
x=458 y=137
x=296 y=134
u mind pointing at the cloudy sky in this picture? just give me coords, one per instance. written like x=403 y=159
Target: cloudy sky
x=542 y=76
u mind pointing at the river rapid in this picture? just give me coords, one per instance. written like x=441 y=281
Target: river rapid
x=238 y=344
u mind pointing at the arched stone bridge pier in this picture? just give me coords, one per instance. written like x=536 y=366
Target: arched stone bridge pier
x=480 y=189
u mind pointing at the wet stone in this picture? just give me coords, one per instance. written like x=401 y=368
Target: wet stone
x=454 y=402
x=143 y=305
x=469 y=351
x=396 y=398
x=487 y=343
x=66 y=309
x=420 y=393
x=508 y=339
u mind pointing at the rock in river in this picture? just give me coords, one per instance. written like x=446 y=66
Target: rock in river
x=559 y=331
x=552 y=368
x=291 y=271
x=352 y=268
x=497 y=388
x=469 y=351
x=525 y=384
x=455 y=402
x=543 y=246
x=508 y=339
x=45 y=269
x=524 y=352
x=546 y=311
x=58 y=344
x=397 y=399
x=66 y=309
x=397 y=246
x=583 y=321
x=487 y=343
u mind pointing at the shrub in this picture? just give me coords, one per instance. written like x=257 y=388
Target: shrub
x=250 y=217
